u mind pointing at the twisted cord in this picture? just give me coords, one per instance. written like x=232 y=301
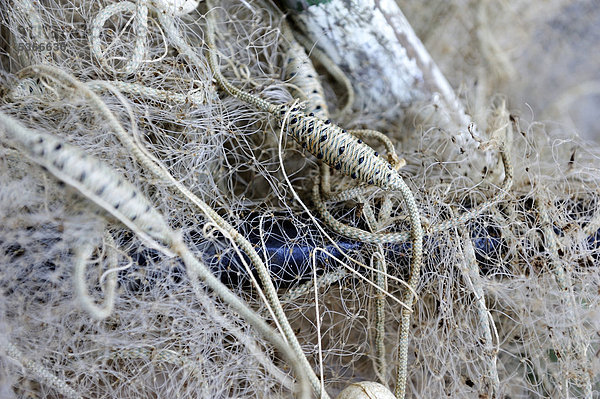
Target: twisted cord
x=244 y=244
x=383 y=238
x=302 y=74
x=342 y=151
x=387 y=143
x=334 y=70
x=109 y=190
x=258 y=102
x=324 y=281
x=416 y=262
x=41 y=372
x=161 y=172
x=81 y=256
x=381 y=281
x=140 y=10
x=301 y=71
x=149 y=92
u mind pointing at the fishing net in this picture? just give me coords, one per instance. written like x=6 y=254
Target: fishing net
x=507 y=302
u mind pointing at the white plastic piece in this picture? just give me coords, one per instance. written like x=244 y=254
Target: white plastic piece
x=176 y=7
x=366 y=390
x=358 y=38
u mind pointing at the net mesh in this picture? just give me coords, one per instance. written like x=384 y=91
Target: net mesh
x=507 y=301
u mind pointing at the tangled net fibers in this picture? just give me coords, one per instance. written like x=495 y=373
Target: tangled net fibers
x=125 y=170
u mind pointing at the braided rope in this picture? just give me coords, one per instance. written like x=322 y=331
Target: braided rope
x=140 y=9
x=340 y=150
x=41 y=372
x=302 y=73
x=334 y=70
x=122 y=199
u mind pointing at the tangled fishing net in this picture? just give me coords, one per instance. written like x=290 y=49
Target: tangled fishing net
x=98 y=303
